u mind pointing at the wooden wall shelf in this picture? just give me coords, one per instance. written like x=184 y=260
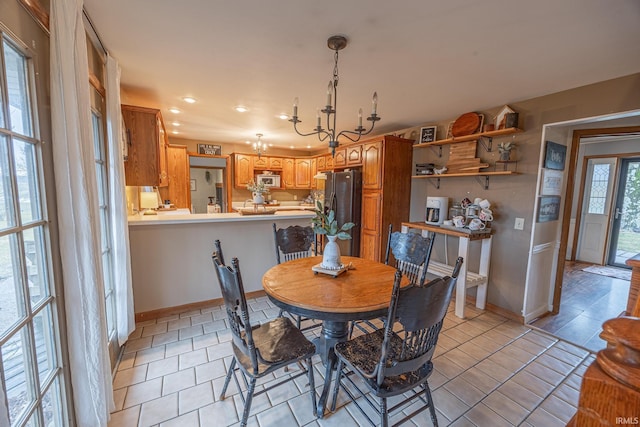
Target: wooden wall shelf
x=486 y=176
x=491 y=134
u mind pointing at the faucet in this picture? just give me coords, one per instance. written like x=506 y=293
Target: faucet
x=244 y=205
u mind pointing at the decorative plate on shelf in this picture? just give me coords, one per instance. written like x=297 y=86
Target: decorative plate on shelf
x=466 y=124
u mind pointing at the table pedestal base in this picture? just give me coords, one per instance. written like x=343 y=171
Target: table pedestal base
x=332 y=333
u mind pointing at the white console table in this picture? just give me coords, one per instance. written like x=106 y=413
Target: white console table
x=466 y=279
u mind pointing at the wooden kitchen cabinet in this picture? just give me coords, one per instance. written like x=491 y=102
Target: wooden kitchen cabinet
x=314 y=171
x=242 y=170
x=178 y=190
x=260 y=163
x=303 y=173
x=371 y=162
x=321 y=163
x=354 y=155
x=288 y=179
x=387 y=162
x=146 y=163
x=275 y=163
x=340 y=159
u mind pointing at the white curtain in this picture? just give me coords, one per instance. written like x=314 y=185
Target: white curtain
x=125 y=319
x=76 y=195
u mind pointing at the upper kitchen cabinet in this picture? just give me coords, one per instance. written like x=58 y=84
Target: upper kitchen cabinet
x=242 y=170
x=288 y=179
x=303 y=175
x=178 y=190
x=146 y=163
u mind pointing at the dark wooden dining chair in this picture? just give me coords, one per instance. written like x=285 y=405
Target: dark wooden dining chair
x=295 y=242
x=411 y=254
x=261 y=349
x=388 y=363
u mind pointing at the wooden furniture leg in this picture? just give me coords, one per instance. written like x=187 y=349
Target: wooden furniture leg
x=461 y=284
x=485 y=259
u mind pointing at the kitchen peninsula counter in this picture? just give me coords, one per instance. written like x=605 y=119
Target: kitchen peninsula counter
x=171 y=264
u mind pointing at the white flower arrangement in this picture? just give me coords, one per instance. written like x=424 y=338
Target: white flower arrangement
x=504 y=147
x=259 y=188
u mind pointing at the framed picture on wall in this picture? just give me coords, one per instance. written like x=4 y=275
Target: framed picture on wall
x=193 y=184
x=427 y=134
x=551 y=183
x=554 y=155
x=548 y=208
x=209 y=149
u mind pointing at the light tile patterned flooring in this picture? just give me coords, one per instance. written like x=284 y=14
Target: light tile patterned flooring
x=489 y=371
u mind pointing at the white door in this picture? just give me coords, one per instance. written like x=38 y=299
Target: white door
x=596 y=208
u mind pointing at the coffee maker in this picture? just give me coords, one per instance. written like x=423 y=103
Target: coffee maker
x=437 y=208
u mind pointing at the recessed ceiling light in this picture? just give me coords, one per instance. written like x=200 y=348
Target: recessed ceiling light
x=189 y=99
x=175 y=132
x=283 y=116
x=291 y=146
x=270 y=145
x=247 y=142
x=241 y=109
x=174 y=110
x=175 y=123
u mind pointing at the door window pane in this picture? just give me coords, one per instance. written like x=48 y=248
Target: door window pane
x=18 y=90
x=7 y=217
x=45 y=347
x=12 y=306
x=17 y=374
x=599 y=183
x=27 y=177
x=35 y=259
x=52 y=406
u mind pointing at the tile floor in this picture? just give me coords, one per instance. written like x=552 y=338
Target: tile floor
x=489 y=371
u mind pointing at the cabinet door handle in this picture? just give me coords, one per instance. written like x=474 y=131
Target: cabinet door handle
x=129 y=137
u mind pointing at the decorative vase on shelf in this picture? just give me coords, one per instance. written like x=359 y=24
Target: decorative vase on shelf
x=258 y=198
x=331 y=255
x=505 y=156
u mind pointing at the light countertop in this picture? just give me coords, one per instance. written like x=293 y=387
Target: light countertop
x=136 y=220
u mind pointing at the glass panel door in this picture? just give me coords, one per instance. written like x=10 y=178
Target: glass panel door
x=31 y=375
x=625 y=233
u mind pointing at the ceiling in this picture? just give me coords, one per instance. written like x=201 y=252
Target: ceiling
x=428 y=60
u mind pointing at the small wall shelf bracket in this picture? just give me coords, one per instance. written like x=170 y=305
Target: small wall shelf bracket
x=479 y=180
x=436 y=184
x=437 y=152
x=486 y=142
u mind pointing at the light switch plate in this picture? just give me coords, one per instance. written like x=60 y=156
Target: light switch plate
x=519 y=225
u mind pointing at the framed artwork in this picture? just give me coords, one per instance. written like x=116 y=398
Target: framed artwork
x=193 y=184
x=501 y=117
x=210 y=149
x=427 y=134
x=554 y=155
x=551 y=183
x=548 y=208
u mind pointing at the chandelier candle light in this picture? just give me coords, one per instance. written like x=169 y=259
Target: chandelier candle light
x=259 y=147
x=336 y=43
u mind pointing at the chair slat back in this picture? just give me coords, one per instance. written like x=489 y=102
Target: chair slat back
x=235 y=303
x=421 y=311
x=293 y=242
x=411 y=252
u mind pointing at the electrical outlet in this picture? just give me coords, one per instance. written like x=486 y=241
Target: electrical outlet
x=519 y=225
x=295 y=197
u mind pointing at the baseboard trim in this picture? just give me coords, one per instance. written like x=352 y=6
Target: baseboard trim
x=168 y=311
x=499 y=310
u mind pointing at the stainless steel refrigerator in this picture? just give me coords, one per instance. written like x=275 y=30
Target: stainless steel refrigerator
x=343 y=194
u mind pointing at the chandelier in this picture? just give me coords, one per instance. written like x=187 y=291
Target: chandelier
x=259 y=147
x=336 y=43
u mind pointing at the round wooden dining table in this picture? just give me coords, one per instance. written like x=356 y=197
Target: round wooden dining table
x=360 y=293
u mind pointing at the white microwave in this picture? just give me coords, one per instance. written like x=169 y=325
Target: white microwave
x=268 y=180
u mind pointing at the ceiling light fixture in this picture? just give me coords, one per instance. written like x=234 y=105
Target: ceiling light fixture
x=241 y=109
x=259 y=147
x=336 y=43
x=284 y=116
x=189 y=100
x=174 y=110
x=175 y=123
